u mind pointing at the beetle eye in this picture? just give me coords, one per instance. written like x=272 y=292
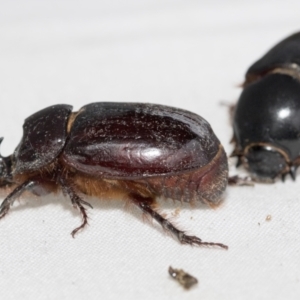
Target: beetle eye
x=265 y=162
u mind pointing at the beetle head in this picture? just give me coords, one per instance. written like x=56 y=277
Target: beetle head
x=5 y=169
x=266 y=162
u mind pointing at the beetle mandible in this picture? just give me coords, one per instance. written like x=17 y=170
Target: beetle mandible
x=132 y=151
x=266 y=119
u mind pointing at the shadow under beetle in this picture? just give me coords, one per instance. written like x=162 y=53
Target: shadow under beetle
x=131 y=151
x=266 y=119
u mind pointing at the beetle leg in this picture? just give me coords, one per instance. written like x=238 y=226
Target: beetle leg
x=239 y=162
x=240 y=181
x=9 y=200
x=146 y=204
x=283 y=176
x=77 y=203
x=293 y=171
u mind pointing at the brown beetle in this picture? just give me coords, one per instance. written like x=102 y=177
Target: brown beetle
x=132 y=151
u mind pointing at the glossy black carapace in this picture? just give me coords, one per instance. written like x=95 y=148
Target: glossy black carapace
x=266 y=119
x=131 y=151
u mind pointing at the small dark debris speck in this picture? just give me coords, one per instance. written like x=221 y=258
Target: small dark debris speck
x=185 y=279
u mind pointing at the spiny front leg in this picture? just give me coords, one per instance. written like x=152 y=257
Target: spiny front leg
x=146 y=204
x=77 y=203
x=9 y=200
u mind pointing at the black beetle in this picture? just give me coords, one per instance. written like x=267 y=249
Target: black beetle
x=131 y=151
x=266 y=119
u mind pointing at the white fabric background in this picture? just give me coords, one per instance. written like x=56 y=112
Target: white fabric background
x=189 y=54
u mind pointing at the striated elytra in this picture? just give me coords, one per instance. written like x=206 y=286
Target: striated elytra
x=266 y=118
x=131 y=151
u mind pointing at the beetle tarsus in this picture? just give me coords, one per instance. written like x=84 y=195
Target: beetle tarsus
x=84 y=220
x=193 y=240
